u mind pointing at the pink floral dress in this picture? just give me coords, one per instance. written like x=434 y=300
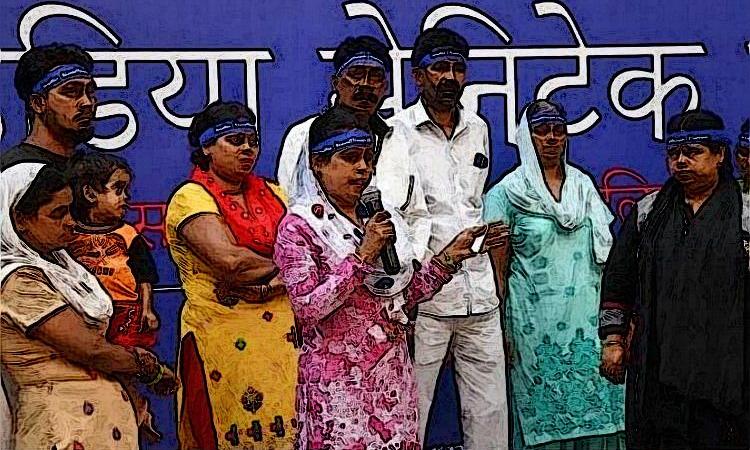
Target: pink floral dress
x=356 y=387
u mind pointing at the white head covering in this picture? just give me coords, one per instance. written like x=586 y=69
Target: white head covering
x=341 y=235
x=579 y=200
x=79 y=287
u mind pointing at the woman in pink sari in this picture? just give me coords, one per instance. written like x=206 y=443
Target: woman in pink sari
x=356 y=386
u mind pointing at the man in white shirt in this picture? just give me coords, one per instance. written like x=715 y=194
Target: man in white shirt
x=433 y=168
x=362 y=66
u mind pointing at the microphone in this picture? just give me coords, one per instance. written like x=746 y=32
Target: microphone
x=371 y=199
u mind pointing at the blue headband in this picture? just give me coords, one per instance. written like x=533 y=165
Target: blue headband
x=343 y=141
x=440 y=54
x=58 y=76
x=362 y=59
x=554 y=118
x=224 y=128
x=696 y=137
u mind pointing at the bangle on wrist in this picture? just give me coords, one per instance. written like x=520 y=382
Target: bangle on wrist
x=150 y=370
x=446 y=262
x=158 y=377
x=358 y=257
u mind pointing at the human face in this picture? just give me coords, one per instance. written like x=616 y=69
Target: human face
x=694 y=165
x=110 y=205
x=361 y=88
x=233 y=156
x=743 y=160
x=68 y=110
x=347 y=174
x=441 y=83
x=52 y=227
x=550 y=140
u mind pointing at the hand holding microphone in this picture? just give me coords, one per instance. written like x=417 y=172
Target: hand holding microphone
x=379 y=234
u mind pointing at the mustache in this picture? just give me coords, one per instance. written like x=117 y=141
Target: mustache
x=84 y=114
x=365 y=94
x=448 y=85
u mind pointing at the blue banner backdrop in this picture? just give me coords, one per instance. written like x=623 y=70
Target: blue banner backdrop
x=621 y=69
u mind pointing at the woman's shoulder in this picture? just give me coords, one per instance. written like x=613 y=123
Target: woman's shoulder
x=498 y=192
x=27 y=280
x=271 y=185
x=294 y=223
x=189 y=199
x=189 y=190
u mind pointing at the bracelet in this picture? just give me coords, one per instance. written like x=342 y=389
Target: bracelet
x=449 y=262
x=158 y=377
x=448 y=265
x=359 y=258
x=149 y=369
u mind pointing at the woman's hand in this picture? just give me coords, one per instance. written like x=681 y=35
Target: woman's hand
x=168 y=384
x=459 y=248
x=613 y=359
x=276 y=287
x=158 y=377
x=498 y=236
x=149 y=320
x=379 y=231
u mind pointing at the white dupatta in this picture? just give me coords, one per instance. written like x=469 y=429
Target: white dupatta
x=339 y=234
x=579 y=199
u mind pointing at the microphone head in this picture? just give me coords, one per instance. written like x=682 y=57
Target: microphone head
x=370 y=194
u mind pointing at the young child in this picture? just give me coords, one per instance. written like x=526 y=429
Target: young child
x=114 y=251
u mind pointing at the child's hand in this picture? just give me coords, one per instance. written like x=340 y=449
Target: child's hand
x=149 y=320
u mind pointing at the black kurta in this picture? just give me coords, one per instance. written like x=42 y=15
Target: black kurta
x=683 y=278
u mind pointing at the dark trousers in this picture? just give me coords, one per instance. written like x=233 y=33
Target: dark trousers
x=675 y=422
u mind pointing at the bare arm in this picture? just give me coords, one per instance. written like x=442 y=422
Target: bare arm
x=83 y=344
x=500 y=257
x=149 y=319
x=211 y=240
x=146 y=294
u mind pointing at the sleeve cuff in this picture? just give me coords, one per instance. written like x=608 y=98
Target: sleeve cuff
x=613 y=321
x=439 y=270
x=357 y=266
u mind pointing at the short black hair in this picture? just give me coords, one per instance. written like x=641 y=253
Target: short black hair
x=332 y=122
x=48 y=182
x=438 y=38
x=216 y=112
x=695 y=120
x=35 y=63
x=353 y=45
x=93 y=169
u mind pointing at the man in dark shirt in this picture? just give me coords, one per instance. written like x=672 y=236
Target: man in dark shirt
x=56 y=84
x=675 y=312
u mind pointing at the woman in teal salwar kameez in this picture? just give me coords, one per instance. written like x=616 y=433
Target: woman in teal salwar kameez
x=560 y=239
